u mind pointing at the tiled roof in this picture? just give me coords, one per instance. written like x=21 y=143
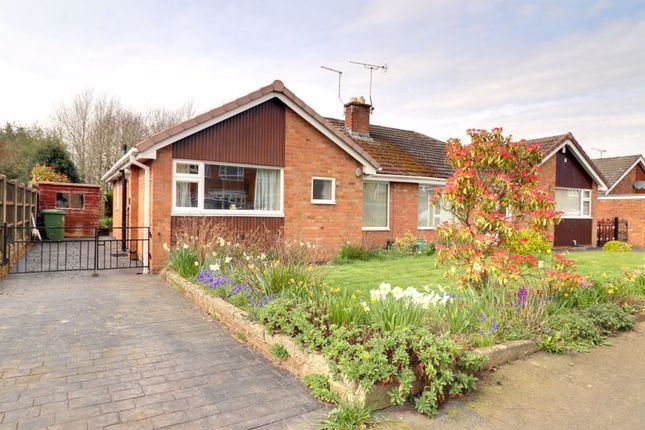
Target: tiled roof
x=277 y=87
x=615 y=167
x=550 y=143
x=402 y=152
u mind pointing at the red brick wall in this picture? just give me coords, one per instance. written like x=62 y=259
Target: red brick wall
x=633 y=210
x=117 y=204
x=309 y=153
x=78 y=222
x=626 y=185
x=161 y=206
x=404 y=202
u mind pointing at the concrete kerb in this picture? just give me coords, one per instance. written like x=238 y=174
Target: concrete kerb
x=302 y=362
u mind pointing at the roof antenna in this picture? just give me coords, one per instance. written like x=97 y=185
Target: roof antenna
x=371 y=68
x=600 y=151
x=340 y=75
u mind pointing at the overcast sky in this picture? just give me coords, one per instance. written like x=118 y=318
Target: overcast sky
x=536 y=68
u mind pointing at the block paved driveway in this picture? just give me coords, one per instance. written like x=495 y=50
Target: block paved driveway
x=125 y=351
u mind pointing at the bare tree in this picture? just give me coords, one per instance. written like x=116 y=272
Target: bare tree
x=96 y=128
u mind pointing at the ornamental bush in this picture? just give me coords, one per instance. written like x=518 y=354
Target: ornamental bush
x=616 y=246
x=494 y=195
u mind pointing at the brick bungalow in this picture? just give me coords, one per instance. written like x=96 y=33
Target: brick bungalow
x=625 y=196
x=572 y=179
x=268 y=160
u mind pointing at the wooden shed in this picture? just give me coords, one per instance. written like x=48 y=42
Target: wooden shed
x=81 y=204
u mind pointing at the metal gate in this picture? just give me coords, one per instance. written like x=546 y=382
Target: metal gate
x=28 y=249
x=612 y=229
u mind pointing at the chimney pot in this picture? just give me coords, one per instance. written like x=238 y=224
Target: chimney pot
x=357 y=116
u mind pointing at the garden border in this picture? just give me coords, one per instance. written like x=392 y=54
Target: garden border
x=302 y=362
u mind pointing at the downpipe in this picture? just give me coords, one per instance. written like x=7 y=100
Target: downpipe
x=146 y=210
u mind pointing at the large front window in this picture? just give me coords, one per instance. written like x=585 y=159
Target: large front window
x=431 y=215
x=575 y=203
x=376 y=206
x=227 y=189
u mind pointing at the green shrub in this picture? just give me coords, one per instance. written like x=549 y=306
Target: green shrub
x=319 y=386
x=105 y=221
x=609 y=318
x=279 y=351
x=577 y=332
x=353 y=251
x=349 y=416
x=616 y=246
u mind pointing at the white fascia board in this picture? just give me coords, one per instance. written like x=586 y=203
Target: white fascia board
x=424 y=180
x=150 y=153
x=120 y=164
x=588 y=168
x=623 y=197
x=640 y=161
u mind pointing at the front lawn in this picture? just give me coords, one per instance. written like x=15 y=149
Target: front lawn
x=418 y=271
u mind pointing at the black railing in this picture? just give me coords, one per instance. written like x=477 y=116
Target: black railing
x=24 y=252
x=612 y=229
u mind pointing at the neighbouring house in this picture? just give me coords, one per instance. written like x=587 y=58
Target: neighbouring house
x=268 y=160
x=573 y=181
x=80 y=203
x=625 y=196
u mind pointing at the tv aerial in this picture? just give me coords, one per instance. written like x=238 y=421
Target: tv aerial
x=600 y=151
x=371 y=68
x=340 y=75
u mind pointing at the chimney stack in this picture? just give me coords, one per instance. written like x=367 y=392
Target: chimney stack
x=357 y=117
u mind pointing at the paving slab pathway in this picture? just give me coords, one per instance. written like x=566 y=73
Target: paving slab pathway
x=122 y=350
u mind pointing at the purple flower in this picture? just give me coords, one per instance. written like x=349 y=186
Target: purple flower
x=521 y=296
x=482 y=316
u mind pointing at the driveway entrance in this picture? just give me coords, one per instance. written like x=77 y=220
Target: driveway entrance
x=126 y=351
x=25 y=252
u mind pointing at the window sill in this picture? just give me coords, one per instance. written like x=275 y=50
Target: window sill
x=375 y=228
x=216 y=213
x=426 y=228
x=576 y=217
x=323 y=202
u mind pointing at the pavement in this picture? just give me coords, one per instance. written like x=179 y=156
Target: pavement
x=601 y=389
x=123 y=350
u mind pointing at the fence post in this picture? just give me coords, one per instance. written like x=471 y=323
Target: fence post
x=96 y=251
x=5 y=244
x=615 y=228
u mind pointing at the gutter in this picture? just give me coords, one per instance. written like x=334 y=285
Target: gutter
x=120 y=164
x=146 y=206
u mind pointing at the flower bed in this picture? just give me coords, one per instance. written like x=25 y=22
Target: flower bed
x=392 y=344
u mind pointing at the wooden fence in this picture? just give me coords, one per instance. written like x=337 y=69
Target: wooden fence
x=17 y=205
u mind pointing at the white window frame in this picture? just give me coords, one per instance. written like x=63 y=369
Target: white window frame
x=434 y=216
x=387 y=227
x=331 y=201
x=200 y=180
x=582 y=200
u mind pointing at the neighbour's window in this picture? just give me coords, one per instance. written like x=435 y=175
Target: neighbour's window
x=375 y=205
x=211 y=188
x=70 y=200
x=431 y=215
x=323 y=190
x=573 y=202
